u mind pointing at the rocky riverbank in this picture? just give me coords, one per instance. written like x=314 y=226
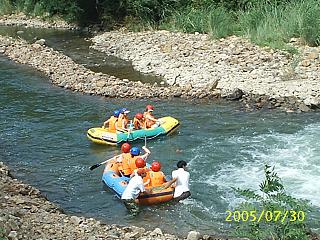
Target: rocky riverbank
x=20 y=19
x=27 y=214
x=194 y=66
x=236 y=67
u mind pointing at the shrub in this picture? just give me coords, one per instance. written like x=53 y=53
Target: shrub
x=273 y=199
x=6 y=7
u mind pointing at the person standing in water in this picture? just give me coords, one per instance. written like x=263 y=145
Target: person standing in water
x=180 y=182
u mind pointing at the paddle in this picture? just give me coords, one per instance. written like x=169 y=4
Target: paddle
x=99 y=164
x=145 y=140
x=130 y=128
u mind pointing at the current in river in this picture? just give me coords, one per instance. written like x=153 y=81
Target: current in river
x=43 y=140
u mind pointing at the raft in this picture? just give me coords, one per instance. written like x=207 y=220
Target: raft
x=104 y=136
x=117 y=184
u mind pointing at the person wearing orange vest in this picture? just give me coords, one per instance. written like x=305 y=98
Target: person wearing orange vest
x=141 y=164
x=128 y=162
x=112 y=121
x=157 y=177
x=139 y=122
x=125 y=149
x=151 y=121
x=123 y=121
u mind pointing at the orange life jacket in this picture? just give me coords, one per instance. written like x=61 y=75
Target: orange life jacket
x=128 y=163
x=112 y=124
x=123 y=121
x=149 y=122
x=156 y=178
x=145 y=179
x=123 y=165
x=138 y=124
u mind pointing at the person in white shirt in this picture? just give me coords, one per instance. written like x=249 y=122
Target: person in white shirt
x=132 y=191
x=180 y=179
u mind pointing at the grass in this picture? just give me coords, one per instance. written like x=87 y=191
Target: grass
x=266 y=24
x=5 y=7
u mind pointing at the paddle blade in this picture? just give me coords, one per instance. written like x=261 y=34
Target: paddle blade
x=95 y=166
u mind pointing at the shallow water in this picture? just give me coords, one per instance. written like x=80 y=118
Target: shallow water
x=43 y=140
x=76 y=44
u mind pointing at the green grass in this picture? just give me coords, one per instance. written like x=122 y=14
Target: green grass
x=2 y=234
x=5 y=7
x=189 y=20
x=266 y=24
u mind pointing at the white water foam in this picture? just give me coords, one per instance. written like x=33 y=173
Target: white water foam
x=296 y=158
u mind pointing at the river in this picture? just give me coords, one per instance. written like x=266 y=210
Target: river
x=43 y=140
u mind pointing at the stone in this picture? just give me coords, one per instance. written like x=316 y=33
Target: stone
x=13 y=235
x=40 y=42
x=156 y=232
x=75 y=220
x=193 y=235
x=305 y=63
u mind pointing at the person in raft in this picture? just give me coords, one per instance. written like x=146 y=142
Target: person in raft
x=125 y=153
x=128 y=162
x=180 y=182
x=151 y=121
x=139 y=121
x=112 y=121
x=157 y=177
x=132 y=191
x=123 y=120
x=141 y=164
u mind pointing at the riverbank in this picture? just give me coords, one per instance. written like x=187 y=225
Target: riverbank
x=194 y=66
x=232 y=63
x=20 y=19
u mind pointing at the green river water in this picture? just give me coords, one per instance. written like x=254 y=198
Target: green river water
x=43 y=140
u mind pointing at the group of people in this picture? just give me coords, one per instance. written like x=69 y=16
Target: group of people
x=121 y=122
x=133 y=165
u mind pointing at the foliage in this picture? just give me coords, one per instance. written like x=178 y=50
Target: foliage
x=190 y=20
x=309 y=29
x=266 y=22
x=221 y=22
x=2 y=234
x=272 y=198
x=6 y=7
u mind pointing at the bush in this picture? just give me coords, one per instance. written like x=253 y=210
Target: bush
x=273 y=199
x=6 y=7
x=221 y=22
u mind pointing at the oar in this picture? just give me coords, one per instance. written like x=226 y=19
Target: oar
x=145 y=140
x=130 y=128
x=99 y=164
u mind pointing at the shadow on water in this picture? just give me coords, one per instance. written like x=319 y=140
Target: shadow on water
x=75 y=44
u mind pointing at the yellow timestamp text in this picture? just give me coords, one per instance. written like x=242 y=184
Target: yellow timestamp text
x=265 y=215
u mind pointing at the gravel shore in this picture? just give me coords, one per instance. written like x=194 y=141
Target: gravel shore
x=194 y=66
x=228 y=64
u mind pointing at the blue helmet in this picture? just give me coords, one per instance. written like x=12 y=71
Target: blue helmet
x=123 y=110
x=116 y=113
x=135 y=151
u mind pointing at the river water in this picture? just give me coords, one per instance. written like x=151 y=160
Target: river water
x=43 y=140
